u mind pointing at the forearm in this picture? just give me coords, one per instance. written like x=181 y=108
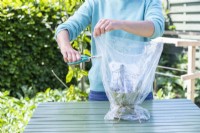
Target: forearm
x=63 y=39
x=140 y=28
x=69 y=54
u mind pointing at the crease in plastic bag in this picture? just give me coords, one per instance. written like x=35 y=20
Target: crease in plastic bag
x=128 y=70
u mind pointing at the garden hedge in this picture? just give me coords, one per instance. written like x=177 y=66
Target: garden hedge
x=27 y=47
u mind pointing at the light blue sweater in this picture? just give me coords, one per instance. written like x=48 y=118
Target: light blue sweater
x=92 y=11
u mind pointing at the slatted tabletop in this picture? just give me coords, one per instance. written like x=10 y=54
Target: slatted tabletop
x=175 y=116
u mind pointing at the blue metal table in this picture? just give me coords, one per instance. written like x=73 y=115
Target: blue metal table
x=175 y=116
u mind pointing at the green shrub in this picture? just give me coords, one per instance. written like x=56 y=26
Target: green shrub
x=172 y=86
x=15 y=113
x=28 y=50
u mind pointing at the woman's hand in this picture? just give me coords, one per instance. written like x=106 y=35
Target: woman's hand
x=69 y=54
x=105 y=25
x=140 y=28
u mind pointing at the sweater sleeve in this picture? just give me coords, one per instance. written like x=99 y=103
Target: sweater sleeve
x=154 y=13
x=78 y=22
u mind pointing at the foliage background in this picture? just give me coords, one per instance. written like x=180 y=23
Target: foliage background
x=29 y=53
x=28 y=49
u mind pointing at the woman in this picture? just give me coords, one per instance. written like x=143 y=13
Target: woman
x=139 y=20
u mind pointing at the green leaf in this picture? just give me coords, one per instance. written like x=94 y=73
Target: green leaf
x=69 y=75
x=86 y=52
x=159 y=94
x=39 y=14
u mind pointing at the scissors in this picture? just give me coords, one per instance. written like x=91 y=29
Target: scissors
x=84 y=58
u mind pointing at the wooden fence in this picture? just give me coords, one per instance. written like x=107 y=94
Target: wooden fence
x=185 y=16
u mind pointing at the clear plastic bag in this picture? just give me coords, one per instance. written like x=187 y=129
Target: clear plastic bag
x=128 y=70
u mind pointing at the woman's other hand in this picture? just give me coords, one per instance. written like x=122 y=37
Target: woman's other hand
x=105 y=25
x=140 y=28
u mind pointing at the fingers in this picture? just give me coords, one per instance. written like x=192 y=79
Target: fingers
x=74 y=56
x=65 y=57
x=101 y=27
x=71 y=55
x=78 y=56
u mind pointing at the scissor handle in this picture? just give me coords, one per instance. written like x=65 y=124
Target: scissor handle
x=84 y=58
